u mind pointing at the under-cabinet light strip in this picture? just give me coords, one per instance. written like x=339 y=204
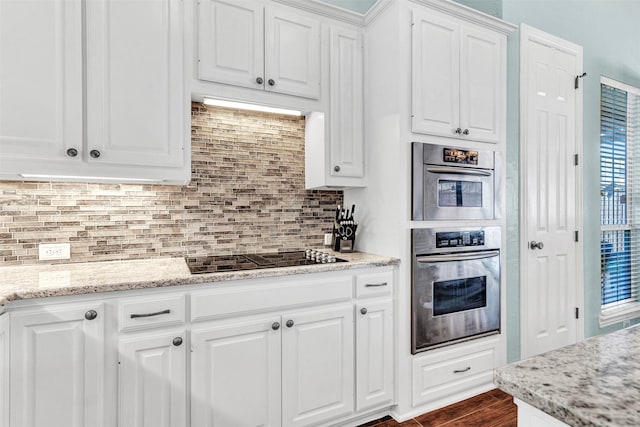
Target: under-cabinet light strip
x=101 y=178
x=252 y=107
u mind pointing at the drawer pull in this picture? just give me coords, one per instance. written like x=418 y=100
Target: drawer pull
x=459 y=371
x=135 y=316
x=373 y=285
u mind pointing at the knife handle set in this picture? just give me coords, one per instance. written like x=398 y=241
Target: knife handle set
x=344 y=230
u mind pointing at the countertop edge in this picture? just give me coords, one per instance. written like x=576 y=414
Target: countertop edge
x=180 y=278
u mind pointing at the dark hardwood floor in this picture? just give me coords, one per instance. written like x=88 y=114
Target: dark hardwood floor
x=491 y=409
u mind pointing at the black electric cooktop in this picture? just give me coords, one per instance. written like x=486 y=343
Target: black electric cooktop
x=216 y=264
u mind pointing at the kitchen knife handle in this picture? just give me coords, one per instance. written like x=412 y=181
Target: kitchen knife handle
x=157 y=313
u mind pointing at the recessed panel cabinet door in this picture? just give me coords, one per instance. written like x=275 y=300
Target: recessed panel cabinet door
x=346 y=78
x=40 y=82
x=317 y=365
x=57 y=367
x=153 y=375
x=235 y=374
x=374 y=354
x=481 y=84
x=135 y=85
x=435 y=72
x=231 y=42
x=292 y=53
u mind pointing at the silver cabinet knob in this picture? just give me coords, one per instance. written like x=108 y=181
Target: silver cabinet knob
x=72 y=152
x=271 y=82
x=363 y=310
x=289 y=323
x=458 y=131
x=536 y=245
x=94 y=153
x=177 y=341
x=465 y=132
x=91 y=314
x=259 y=80
x=336 y=168
x=275 y=326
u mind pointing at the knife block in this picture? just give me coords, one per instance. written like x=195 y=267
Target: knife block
x=344 y=237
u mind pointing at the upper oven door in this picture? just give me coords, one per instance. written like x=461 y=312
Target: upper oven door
x=450 y=192
x=455 y=296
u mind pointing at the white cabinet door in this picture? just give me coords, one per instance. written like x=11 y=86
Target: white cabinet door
x=153 y=374
x=346 y=86
x=317 y=365
x=231 y=42
x=40 y=83
x=57 y=367
x=374 y=354
x=481 y=84
x=292 y=53
x=435 y=74
x=136 y=104
x=236 y=374
x=4 y=370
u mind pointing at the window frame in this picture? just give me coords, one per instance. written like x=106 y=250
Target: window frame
x=624 y=310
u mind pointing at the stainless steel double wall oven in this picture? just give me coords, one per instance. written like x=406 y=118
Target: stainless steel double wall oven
x=455 y=270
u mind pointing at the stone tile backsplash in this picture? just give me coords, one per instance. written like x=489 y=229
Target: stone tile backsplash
x=246 y=196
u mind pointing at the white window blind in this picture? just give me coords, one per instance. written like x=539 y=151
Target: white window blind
x=619 y=216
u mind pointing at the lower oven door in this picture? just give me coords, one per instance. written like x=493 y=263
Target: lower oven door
x=455 y=297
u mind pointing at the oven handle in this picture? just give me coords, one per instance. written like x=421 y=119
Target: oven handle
x=457 y=257
x=457 y=171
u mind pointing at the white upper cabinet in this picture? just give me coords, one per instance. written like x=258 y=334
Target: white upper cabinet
x=135 y=92
x=346 y=75
x=248 y=44
x=95 y=94
x=458 y=78
x=40 y=81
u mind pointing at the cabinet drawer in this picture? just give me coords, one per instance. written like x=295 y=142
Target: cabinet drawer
x=452 y=371
x=374 y=284
x=268 y=296
x=141 y=313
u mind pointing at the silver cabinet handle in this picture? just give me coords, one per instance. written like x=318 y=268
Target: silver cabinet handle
x=72 y=152
x=289 y=323
x=457 y=257
x=91 y=314
x=459 y=371
x=363 y=310
x=157 y=313
x=458 y=171
x=94 y=154
x=259 y=80
x=271 y=82
x=458 y=131
x=336 y=168
x=465 y=132
x=373 y=285
x=177 y=341
x=275 y=326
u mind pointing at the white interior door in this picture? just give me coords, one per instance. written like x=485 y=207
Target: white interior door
x=551 y=119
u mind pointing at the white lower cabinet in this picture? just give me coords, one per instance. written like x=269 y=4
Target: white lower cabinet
x=317 y=365
x=57 y=366
x=300 y=361
x=374 y=354
x=454 y=373
x=312 y=350
x=152 y=379
x=235 y=373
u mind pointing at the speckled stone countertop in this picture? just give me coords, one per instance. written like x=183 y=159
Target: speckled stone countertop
x=37 y=281
x=592 y=383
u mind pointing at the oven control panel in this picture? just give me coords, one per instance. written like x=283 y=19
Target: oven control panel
x=455 y=239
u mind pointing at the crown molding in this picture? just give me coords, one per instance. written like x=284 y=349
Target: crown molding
x=468 y=14
x=328 y=10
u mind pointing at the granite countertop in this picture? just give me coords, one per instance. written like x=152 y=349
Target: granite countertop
x=595 y=382
x=37 y=281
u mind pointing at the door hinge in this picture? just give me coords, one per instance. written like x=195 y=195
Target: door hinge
x=576 y=159
x=577 y=313
x=577 y=85
x=576 y=236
